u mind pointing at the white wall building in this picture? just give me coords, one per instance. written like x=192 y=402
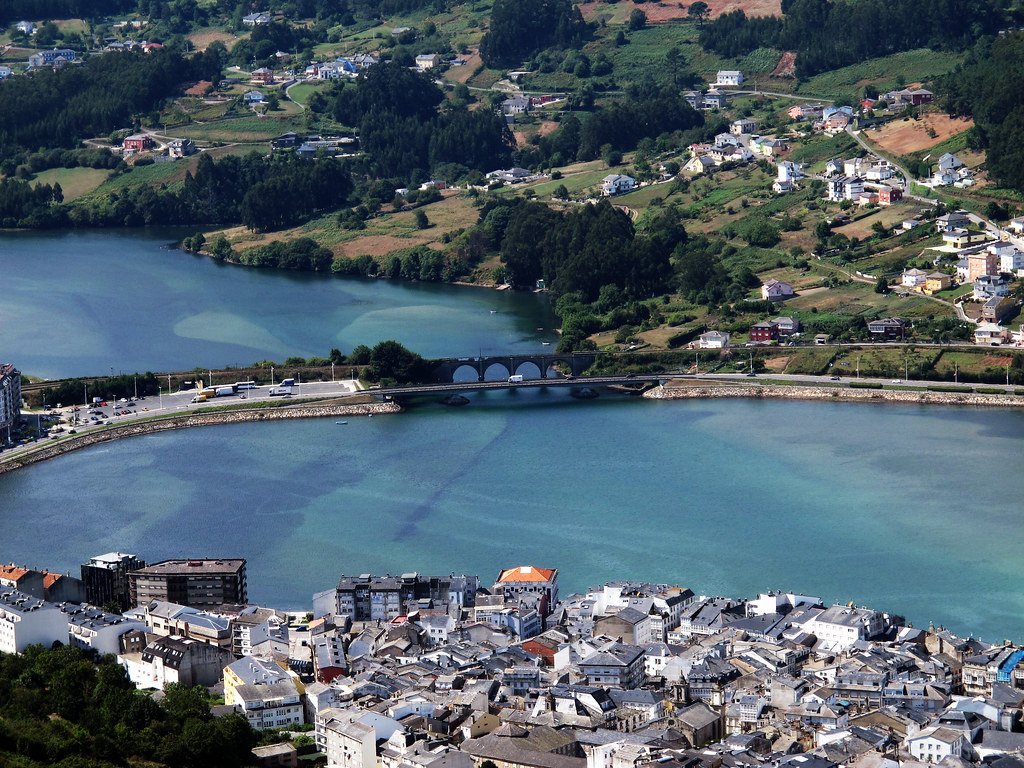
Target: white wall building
x=90 y=627
x=729 y=77
x=350 y=736
x=26 y=620
x=840 y=626
x=269 y=706
x=933 y=744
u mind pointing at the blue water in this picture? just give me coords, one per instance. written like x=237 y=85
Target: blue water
x=913 y=510
x=74 y=303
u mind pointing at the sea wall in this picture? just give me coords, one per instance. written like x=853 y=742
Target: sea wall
x=52 y=449
x=833 y=394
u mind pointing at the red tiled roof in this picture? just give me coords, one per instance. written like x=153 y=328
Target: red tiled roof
x=12 y=572
x=526 y=573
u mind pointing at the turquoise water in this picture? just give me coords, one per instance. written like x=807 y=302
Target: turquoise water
x=912 y=510
x=76 y=303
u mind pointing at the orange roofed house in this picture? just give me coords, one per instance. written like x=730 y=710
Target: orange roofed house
x=527 y=580
x=42 y=585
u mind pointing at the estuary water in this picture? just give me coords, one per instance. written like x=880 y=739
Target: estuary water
x=88 y=302
x=913 y=510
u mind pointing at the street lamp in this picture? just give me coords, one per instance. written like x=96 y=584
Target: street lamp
x=332 y=373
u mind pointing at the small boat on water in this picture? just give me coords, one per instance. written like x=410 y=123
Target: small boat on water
x=494 y=311
x=545 y=343
x=341 y=422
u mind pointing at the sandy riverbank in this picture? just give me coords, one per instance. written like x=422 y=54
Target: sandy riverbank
x=49 y=450
x=687 y=391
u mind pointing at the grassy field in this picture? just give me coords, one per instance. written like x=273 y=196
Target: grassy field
x=887 y=362
x=383 y=235
x=301 y=92
x=860 y=299
x=74 y=182
x=914 y=66
x=973 y=363
x=242 y=129
x=151 y=175
x=575 y=177
x=820 y=148
x=810 y=360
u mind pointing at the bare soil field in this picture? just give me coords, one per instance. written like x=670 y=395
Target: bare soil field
x=903 y=137
x=203 y=40
x=463 y=73
x=749 y=7
x=786 y=66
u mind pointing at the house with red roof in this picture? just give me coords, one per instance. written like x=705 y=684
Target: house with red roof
x=525 y=581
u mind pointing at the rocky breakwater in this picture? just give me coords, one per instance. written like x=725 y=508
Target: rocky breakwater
x=49 y=450
x=915 y=397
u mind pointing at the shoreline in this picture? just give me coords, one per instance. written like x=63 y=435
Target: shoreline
x=78 y=442
x=699 y=391
x=781 y=392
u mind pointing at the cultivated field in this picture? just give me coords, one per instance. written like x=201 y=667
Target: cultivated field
x=669 y=11
x=914 y=66
x=203 y=40
x=902 y=137
x=383 y=235
x=74 y=182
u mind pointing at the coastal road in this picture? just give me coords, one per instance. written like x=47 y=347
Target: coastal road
x=844 y=380
x=173 y=404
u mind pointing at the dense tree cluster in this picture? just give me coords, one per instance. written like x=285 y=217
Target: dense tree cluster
x=73 y=390
x=648 y=111
x=22 y=203
x=521 y=28
x=60 y=707
x=587 y=248
x=34 y=162
x=827 y=34
x=303 y=254
x=403 y=130
x=58 y=109
x=261 y=192
x=267 y=39
x=987 y=86
x=16 y=10
x=389 y=362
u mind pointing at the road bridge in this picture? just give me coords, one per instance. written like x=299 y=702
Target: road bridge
x=453 y=388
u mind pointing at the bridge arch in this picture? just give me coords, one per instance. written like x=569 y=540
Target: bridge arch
x=531 y=369
x=567 y=362
x=496 y=370
x=465 y=372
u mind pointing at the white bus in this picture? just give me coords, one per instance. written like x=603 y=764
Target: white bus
x=245 y=385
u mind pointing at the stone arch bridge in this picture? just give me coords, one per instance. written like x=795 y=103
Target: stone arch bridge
x=577 y=362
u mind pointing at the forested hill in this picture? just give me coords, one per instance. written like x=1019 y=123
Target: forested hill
x=404 y=128
x=59 y=108
x=15 y=10
x=988 y=87
x=828 y=34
